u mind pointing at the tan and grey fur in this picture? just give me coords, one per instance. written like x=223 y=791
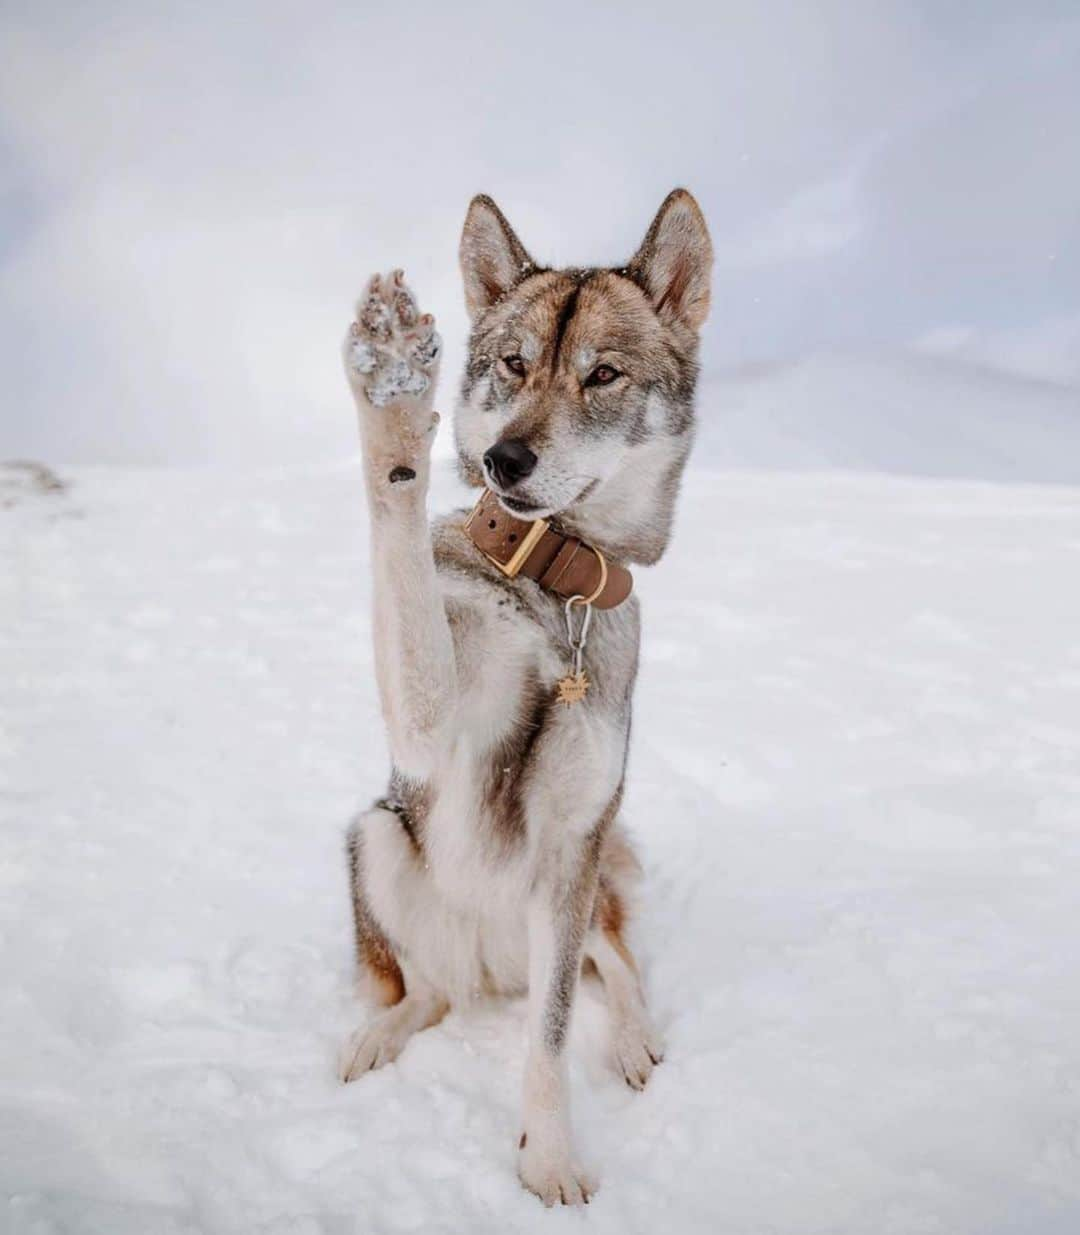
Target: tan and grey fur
x=496 y=863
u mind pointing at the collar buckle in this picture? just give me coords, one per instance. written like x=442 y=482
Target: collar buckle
x=512 y=567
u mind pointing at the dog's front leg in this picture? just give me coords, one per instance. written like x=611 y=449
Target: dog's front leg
x=560 y=908
x=391 y=361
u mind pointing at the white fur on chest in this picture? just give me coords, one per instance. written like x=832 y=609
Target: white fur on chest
x=459 y=914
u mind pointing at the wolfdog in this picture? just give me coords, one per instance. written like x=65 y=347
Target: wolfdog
x=495 y=862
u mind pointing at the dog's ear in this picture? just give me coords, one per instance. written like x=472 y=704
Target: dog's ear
x=492 y=258
x=674 y=262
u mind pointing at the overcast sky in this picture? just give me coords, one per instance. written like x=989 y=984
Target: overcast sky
x=190 y=200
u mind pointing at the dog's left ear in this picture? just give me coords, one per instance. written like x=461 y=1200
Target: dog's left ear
x=492 y=258
x=675 y=259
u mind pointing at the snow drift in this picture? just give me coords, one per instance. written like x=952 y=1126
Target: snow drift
x=854 y=785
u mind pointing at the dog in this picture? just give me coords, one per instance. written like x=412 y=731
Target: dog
x=496 y=862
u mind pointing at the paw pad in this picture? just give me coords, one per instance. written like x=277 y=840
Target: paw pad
x=427 y=349
x=362 y=357
x=391 y=343
x=394 y=379
x=405 y=307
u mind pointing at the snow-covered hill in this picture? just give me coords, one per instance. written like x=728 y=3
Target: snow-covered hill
x=855 y=786
x=903 y=414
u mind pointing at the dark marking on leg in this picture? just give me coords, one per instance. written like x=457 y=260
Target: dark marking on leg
x=512 y=762
x=410 y=801
x=572 y=916
x=402 y=473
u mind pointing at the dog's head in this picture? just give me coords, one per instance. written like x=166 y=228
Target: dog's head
x=578 y=392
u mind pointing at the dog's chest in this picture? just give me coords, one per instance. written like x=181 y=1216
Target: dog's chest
x=481 y=863
x=495 y=809
x=521 y=779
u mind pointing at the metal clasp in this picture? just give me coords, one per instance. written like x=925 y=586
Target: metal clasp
x=577 y=641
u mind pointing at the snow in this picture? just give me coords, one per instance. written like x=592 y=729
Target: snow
x=854 y=785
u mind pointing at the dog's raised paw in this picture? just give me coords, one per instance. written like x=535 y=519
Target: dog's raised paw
x=392 y=349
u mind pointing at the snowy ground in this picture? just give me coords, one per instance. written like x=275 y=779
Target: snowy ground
x=855 y=784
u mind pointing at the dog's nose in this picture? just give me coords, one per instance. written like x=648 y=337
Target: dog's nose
x=508 y=462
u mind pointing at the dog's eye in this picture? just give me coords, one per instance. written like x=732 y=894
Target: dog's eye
x=515 y=364
x=602 y=375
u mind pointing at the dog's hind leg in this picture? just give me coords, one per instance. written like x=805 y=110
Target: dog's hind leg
x=380 y=972
x=636 y=1044
x=384 y=1038
x=411 y=1004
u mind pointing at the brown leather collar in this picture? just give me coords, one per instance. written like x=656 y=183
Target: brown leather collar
x=559 y=562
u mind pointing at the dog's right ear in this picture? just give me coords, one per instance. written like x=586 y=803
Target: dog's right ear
x=674 y=262
x=492 y=258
